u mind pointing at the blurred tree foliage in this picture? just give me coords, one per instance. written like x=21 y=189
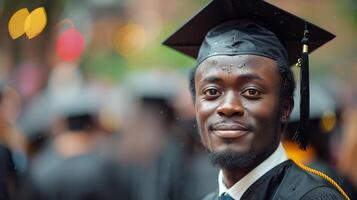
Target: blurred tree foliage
x=112 y=65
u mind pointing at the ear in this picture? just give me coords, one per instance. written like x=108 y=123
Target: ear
x=287 y=108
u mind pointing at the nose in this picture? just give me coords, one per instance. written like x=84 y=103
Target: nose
x=230 y=106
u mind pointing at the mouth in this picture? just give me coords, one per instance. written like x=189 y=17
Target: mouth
x=229 y=131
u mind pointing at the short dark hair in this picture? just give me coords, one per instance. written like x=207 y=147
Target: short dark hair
x=287 y=86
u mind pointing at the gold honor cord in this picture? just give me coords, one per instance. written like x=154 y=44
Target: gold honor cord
x=324 y=176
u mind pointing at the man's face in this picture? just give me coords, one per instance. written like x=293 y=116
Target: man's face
x=237 y=108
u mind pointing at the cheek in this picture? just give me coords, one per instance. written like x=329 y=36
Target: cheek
x=203 y=112
x=263 y=109
x=264 y=112
x=264 y=116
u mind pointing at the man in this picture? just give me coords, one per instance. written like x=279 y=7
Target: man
x=242 y=88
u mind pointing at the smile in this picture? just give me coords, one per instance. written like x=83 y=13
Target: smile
x=229 y=131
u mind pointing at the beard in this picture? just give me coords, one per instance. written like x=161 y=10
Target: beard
x=232 y=159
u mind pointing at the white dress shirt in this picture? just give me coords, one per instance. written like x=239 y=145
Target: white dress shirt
x=238 y=189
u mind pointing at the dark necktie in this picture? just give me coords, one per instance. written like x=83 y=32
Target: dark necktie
x=225 y=196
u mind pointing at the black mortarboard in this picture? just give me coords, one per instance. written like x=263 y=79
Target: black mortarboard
x=233 y=27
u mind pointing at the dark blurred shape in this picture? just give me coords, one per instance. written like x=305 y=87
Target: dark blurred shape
x=8 y=174
x=87 y=176
x=80 y=122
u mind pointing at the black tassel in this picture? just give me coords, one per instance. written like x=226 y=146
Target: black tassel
x=302 y=136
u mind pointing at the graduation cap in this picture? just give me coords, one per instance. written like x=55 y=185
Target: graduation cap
x=253 y=27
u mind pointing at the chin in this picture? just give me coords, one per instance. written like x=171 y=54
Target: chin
x=237 y=159
x=232 y=159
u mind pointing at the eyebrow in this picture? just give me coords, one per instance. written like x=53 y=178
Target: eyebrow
x=213 y=79
x=249 y=77
x=216 y=79
x=242 y=77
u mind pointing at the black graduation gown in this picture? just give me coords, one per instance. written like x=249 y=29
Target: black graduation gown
x=288 y=181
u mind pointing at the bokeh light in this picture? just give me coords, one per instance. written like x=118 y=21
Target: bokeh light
x=36 y=22
x=17 y=23
x=130 y=39
x=32 y=24
x=328 y=121
x=70 y=45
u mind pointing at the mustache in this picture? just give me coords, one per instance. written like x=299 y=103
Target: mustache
x=229 y=125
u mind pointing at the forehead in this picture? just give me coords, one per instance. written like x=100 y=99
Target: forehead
x=238 y=64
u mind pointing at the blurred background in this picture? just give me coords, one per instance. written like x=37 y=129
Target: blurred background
x=92 y=106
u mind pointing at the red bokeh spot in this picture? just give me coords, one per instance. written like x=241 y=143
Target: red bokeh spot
x=70 y=45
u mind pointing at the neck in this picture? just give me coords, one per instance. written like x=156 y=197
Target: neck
x=233 y=175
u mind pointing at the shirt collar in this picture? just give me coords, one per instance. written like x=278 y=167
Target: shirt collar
x=237 y=190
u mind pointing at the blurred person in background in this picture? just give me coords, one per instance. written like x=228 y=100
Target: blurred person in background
x=324 y=126
x=147 y=139
x=72 y=165
x=348 y=148
x=325 y=130
x=12 y=143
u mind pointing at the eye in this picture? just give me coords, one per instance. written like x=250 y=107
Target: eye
x=211 y=93
x=251 y=93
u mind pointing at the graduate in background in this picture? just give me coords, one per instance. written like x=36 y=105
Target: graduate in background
x=326 y=129
x=74 y=165
x=242 y=87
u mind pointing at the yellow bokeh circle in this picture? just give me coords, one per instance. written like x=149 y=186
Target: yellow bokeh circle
x=31 y=24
